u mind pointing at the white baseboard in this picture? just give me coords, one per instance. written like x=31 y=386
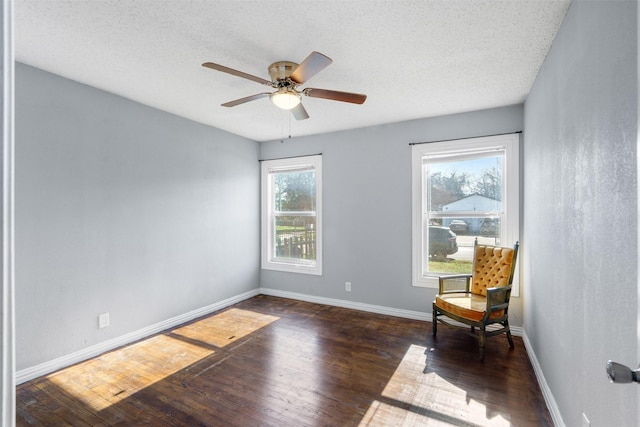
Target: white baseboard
x=95 y=350
x=389 y=311
x=544 y=387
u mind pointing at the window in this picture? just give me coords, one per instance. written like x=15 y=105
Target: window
x=462 y=190
x=292 y=215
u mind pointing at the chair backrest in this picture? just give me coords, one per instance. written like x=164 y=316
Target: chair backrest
x=493 y=266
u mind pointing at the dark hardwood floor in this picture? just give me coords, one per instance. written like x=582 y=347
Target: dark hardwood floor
x=271 y=361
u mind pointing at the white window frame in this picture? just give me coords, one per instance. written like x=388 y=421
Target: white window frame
x=269 y=260
x=510 y=227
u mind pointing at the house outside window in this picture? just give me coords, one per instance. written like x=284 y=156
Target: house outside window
x=462 y=190
x=292 y=215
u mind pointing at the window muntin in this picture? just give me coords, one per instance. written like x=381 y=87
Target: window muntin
x=291 y=226
x=468 y=188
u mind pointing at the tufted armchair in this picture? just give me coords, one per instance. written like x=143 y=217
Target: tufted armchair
x=479 y=299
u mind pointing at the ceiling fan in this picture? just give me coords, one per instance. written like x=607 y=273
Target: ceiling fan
x=286 y=76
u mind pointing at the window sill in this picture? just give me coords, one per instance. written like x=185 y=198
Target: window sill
x=292 y=268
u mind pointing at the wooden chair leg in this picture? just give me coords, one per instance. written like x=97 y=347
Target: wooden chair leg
x=510 y=338
x=434 y=321
x=483 y=339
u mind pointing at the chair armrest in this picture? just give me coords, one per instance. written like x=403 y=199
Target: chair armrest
x=496 y=301
x=454 y=279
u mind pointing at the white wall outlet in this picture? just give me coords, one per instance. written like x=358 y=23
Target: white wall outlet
x=585 y=420
x=347 y=286
x=103 y=320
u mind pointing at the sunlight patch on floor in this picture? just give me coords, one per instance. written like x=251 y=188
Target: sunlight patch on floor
x=415 y=398
x=114 y=376
x=226 y=327
x=383 y=414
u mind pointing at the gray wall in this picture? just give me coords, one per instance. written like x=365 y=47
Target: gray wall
x=367 y=207
x=124 y=209
x=580 y=221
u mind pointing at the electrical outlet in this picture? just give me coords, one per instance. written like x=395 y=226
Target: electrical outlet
x=103 y=320
x=585 y=420
x=347 y=286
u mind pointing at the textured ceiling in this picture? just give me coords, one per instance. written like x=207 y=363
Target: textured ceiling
x=413 y=59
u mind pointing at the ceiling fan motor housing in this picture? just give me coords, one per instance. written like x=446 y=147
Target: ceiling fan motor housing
x=281 y=70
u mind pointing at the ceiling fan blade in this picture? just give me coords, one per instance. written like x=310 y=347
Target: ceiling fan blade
x=312 y=65
x=246 y=99
x=299 y=112
x=355 y=98
x=233 y=72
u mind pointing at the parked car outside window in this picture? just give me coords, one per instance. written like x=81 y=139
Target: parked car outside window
x=442 y=242
x=458 y=226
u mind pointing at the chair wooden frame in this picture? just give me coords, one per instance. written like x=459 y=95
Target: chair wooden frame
x=496 y=310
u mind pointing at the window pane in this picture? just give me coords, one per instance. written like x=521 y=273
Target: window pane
x=464 y=184
x=295 y=237
x=295 y=191
x=469 y=183
x=450 y=241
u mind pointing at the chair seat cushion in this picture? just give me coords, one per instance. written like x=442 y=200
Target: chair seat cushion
x=466 y=305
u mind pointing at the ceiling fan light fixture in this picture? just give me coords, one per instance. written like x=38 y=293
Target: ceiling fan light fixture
x=285 y=99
